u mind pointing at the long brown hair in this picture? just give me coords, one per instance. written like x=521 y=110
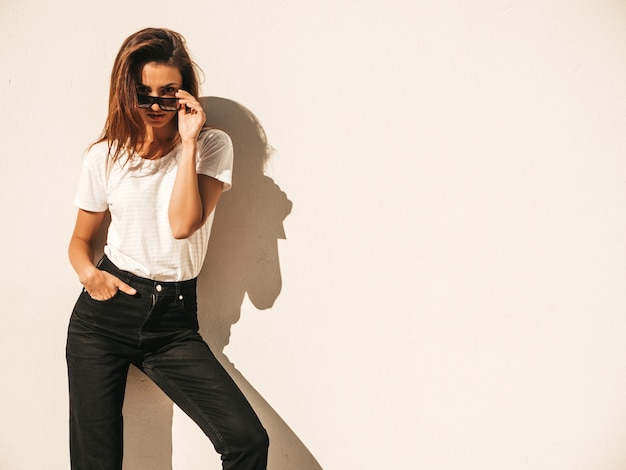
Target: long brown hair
x=124 y=130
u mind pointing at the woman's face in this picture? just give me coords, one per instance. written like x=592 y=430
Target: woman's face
x=161 y=81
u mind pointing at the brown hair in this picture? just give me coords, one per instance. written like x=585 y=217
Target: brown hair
x=124 y=130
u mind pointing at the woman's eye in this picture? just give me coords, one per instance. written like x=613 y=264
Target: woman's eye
x=168 y=91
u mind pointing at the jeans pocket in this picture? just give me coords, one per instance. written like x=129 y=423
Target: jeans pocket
x=91 y=311
x=104 y=301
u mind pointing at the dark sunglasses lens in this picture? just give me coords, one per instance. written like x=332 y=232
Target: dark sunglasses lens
x=144 y=101
x=168 y=104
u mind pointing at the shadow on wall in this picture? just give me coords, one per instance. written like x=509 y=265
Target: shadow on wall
x=242 y=259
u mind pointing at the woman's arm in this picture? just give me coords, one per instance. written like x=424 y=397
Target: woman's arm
x=99 y=284
x=194 y=196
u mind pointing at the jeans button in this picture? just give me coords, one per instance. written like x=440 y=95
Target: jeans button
x=159 y=288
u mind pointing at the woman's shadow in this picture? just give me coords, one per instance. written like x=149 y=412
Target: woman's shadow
x=242 y=259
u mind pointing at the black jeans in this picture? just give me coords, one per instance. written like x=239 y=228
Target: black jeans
x=157 y=331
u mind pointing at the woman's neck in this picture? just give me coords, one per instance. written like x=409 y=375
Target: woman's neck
x=159 y=142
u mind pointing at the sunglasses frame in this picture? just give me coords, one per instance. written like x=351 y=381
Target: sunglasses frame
x=146 y=102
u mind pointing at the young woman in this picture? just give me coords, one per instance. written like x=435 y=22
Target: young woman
x=159 y=174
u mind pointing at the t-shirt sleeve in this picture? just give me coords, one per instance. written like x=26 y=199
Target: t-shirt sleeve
x=215 y=157
x=91 y=192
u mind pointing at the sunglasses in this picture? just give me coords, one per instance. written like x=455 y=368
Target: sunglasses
x=166 y=104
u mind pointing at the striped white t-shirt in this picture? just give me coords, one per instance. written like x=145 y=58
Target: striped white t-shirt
x=137 y=193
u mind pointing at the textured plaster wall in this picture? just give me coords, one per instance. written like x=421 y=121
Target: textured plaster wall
x=426 y=272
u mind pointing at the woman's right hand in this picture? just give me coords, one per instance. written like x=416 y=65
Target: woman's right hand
x=101 y=285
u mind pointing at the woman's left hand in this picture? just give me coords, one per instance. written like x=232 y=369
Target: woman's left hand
x=191 y=116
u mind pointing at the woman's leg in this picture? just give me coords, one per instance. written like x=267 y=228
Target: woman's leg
x=99 y=351
x=97 y=381
x=188 y=372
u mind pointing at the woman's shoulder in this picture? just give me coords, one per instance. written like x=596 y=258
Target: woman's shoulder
x=214 y=143
x=101 y=146
x=97 y=153
x=214 y=135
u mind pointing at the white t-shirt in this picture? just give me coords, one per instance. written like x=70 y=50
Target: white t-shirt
x=137 y=193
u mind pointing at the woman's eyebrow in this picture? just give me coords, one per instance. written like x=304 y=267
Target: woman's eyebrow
x=171 y=85
x=168 y=85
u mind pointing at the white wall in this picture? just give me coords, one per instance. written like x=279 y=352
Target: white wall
x=452 y=278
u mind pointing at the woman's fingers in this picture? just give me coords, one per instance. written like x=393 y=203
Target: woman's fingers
x=122 y=286
x=191 y=116
x=106 y=286
x=187 y=100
